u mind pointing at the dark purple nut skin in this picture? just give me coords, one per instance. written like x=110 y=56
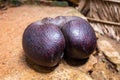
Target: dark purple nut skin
x=80 y=39
x=43 y=44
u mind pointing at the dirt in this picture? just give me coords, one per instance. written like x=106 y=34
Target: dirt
x=104 y=69
x=15 y=66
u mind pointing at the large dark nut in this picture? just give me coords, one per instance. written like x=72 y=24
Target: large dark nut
x=43 y=44
x=80 y=39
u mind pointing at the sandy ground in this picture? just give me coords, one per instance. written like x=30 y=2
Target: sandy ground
x=13 y=64
x=13 y=22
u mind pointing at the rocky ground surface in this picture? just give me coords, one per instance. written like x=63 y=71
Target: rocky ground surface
x=103 y=64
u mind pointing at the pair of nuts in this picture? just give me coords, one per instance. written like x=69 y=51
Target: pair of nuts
x=45 y=41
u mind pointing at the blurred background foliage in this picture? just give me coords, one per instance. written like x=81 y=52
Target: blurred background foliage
x=61 y=3
x=82 y=6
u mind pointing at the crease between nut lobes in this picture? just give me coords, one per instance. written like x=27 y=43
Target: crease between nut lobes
x=46 y=41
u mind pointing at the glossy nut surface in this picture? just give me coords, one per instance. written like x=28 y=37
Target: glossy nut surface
x=43 y=44
x=80 y=39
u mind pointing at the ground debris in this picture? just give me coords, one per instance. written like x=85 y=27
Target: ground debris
x=108 y=60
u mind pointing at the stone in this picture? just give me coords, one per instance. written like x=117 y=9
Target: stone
x=13 y=63
x=109 y=51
